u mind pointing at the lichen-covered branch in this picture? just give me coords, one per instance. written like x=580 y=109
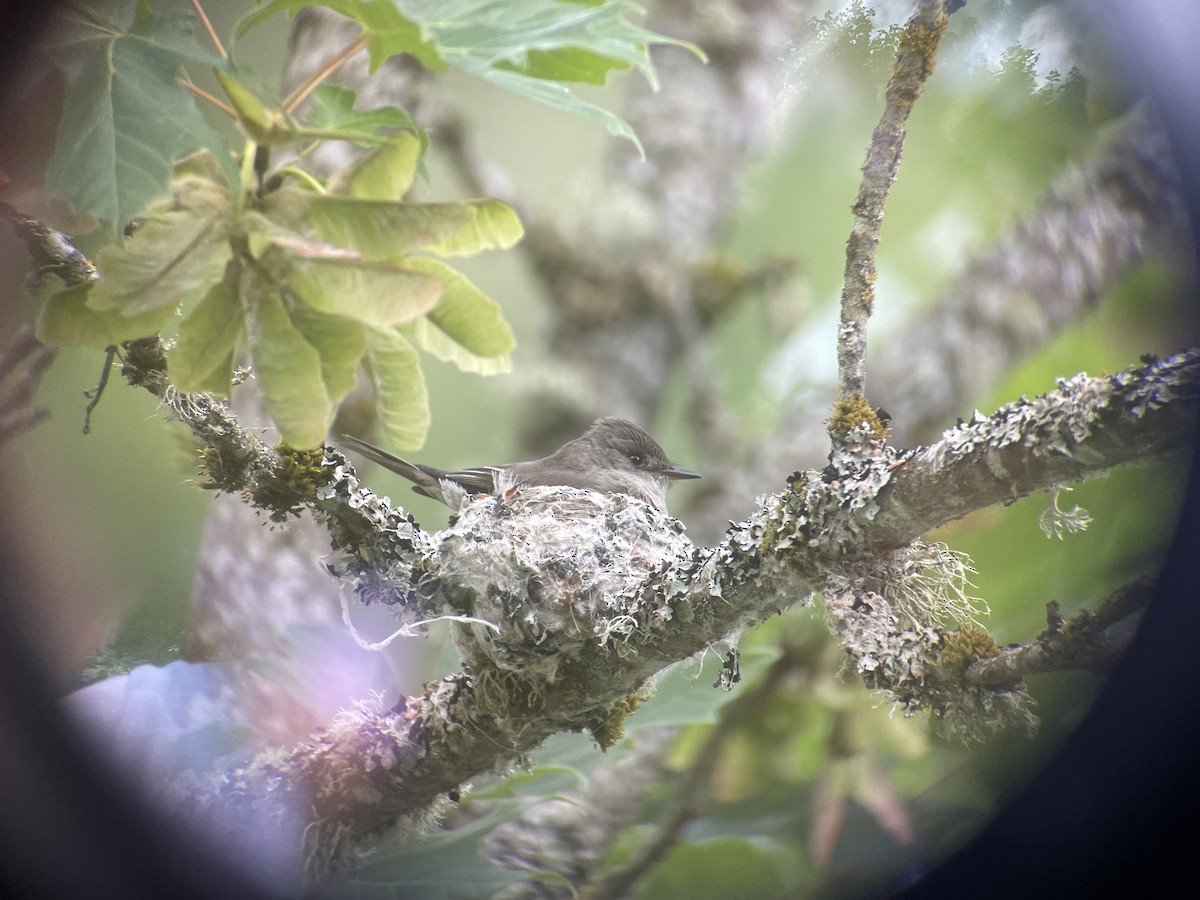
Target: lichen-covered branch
x=569 y=602
x=971 y=685
x=1092 y=639
x=1087 y=426
x=919 y=666
x=591 y=596
x=379 y=546
x=914 y=64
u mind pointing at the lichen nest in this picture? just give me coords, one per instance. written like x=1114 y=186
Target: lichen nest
x=551 y=569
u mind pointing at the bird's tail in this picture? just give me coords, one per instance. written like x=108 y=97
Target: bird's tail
x=389 y=461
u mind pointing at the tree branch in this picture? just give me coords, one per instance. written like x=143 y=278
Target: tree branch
x=1087 y=426
x=575 y=641
x=588 y=596
x=378 y=543
x=1091 y=639
x=914 y=63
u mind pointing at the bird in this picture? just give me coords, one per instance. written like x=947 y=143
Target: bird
x=613 y=455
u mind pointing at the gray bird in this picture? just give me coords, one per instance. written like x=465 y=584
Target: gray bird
x=613 y=455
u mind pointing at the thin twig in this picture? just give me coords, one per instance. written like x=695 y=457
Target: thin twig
x=318 y=77
x=212 y=34
x=914 y=63
x=94 y=395
x=1089 y=640
x=205 y=95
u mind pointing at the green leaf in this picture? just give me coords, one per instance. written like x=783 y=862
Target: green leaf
x=466 y=328
x=220 y=380
x=288 y=370
x=539 y=781
x=400 y=396
x=386 y=173
x=684 y=693
x=494 y=227
x=380 y=229
x=388 y=31
x=372 y=293
x=557 y=97
x=526 y=47
x=336 y=280
x=279 y=223
x=206 y=341
x=340 y=343
x=174 y=31
x=563 y=762
x=567 y=64
x=477 y=34
x=127 y=118
x=519 y=46
x=67 y=321
x=171 y=253
x=333 y=112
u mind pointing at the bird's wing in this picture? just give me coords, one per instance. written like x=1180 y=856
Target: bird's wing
x=479 y=480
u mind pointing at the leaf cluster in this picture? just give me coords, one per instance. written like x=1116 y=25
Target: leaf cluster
x=310 y=279
x=533 y=48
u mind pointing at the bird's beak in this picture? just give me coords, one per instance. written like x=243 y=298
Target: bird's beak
x=675 y=473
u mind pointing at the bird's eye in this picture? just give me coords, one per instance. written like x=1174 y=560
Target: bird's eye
x=635 y=458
